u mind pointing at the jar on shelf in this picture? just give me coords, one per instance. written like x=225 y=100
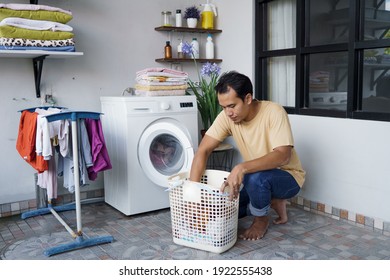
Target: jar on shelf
x=166 y=18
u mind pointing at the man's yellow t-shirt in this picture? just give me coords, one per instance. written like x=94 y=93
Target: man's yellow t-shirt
x=269 y=129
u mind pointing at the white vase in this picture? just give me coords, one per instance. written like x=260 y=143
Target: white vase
x=192 y=22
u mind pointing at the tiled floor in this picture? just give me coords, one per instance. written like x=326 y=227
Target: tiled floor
x=148 y=236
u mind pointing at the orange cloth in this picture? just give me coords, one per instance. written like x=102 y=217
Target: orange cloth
x=25 y=143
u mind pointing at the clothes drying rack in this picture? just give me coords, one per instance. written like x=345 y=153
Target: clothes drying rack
x=80 y=241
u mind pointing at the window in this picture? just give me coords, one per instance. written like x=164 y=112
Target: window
x=281 y=80
x=328 y=80
x=325 y=58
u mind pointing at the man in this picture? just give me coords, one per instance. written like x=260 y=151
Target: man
x=271 y=171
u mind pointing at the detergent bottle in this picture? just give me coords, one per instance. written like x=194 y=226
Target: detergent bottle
x=208 y=13
x=195 y=48
x=209 y=47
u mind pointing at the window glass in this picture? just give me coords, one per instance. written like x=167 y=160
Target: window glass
x=281 y=80
x=376 y=80
x=328 y=80
x=328 y=22
x=376 y=20
x=327 y=45
x=281 y=27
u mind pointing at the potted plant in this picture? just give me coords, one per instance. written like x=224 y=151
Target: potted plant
x=192 y=15
x=206 y=96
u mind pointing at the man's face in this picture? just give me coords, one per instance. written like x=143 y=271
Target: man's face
x=233 y=106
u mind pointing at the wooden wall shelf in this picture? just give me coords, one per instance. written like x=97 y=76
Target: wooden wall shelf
x=178 y=60
x=187 y=29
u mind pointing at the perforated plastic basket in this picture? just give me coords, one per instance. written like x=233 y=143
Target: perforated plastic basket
x=203 y=217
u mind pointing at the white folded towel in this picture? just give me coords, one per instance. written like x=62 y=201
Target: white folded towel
x=35 y=24
x=32 y=7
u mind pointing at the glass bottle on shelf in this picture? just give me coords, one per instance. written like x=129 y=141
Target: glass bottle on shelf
x=168 y=50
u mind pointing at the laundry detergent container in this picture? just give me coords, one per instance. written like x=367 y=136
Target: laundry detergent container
x=202 y=216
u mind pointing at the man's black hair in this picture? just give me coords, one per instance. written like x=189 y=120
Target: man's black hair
x=239 y=82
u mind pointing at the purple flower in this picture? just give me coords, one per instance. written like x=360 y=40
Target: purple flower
x=187 y=48
x=209 y=69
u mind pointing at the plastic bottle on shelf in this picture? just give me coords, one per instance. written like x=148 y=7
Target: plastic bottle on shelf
x=209 y=47
x=178 y=18
x=195 y=48
x=168 y=50
x=180 y=50
x=207 y=15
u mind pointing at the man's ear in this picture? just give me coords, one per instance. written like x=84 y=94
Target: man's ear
x=248 y=98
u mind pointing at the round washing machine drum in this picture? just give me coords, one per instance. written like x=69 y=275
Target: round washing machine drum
x=165 y=148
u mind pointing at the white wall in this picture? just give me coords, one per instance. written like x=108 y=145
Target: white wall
x=118 y=39
x=346 y=160
x=347 y=163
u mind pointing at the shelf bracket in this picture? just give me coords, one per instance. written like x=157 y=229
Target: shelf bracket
x=38 y=65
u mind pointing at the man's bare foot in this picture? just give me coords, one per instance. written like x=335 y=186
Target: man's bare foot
x=279 y=205
x=257 y=230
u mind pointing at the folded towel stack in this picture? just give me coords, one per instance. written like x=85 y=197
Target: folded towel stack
x=160 y=82
x=319 y=81
x=35 y=27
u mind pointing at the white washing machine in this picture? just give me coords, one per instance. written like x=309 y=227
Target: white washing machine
x=148 y=139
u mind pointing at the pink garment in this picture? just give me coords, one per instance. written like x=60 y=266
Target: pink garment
x=157 y=70
x=100 y=157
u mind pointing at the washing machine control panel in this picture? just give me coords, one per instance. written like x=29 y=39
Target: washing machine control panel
x=186 y=104
x=165 y=106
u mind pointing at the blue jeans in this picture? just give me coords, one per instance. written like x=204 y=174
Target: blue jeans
x=260 y=187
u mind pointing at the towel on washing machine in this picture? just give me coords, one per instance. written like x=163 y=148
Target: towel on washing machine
x=176 y=92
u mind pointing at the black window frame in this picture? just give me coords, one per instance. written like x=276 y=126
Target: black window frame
x=354 y=47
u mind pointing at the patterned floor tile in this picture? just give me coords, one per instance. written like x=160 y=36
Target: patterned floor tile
x=288 y=250
x=148 y=236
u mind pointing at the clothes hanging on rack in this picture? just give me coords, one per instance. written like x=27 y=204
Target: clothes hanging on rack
x=76 y=118
x=46 y=132
x=100 y=158
x=48 y=179
x=39 y=140
x=65 y=161
x=46 y=138
x=25 y=143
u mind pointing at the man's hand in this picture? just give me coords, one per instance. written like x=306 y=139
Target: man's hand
x=278 y=157
x=233 y=182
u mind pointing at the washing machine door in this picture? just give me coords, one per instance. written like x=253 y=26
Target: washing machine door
x=165 y=148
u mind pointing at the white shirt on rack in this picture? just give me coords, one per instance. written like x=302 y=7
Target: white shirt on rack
x=46 y=131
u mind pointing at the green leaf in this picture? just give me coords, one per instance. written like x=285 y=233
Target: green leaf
x=206 y=97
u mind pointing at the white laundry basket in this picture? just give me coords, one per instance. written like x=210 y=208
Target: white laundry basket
x=203 y=217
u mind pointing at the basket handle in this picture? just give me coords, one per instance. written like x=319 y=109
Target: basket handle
x=173 y=184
